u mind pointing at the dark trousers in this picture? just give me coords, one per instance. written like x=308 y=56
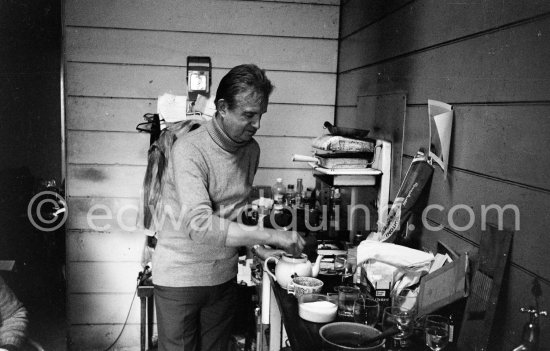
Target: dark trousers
x=195 y=318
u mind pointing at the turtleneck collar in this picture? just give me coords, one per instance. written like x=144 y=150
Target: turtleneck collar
x=221 y=138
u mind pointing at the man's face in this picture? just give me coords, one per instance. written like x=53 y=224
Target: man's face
x=243 y=121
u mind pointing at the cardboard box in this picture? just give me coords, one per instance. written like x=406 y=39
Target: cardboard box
x=444 y=286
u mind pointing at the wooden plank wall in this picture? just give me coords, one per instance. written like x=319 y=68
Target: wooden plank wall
x=119 y=57
x=489 y=59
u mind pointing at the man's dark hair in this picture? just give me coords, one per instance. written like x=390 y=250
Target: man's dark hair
x=243 y=78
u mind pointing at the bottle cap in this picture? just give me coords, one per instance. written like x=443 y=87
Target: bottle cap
x=279 y=180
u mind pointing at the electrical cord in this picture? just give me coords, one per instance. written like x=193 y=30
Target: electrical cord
x=125 y=322
x=140 y=279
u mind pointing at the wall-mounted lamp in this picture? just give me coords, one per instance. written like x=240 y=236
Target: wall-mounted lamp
x=199 y=76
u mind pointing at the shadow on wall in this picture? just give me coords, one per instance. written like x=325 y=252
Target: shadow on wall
x=38 y=278
x=30 y=36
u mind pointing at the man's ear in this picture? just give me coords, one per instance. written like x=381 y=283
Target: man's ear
x=222 y=107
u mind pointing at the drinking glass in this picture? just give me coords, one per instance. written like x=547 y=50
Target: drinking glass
x=366 y=311
x=340 y=263
x=437 y=332
x=346 y=297
x=405 y=321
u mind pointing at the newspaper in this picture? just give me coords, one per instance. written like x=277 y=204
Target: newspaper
x=172 y=108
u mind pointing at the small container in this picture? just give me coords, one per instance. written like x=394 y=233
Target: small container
x=317 y=308
x=304 y=285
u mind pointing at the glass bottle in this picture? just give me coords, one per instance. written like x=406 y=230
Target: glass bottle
x=335 y=201
x=290 y=194
x=299 y=193
x=309 y=198
x=451 y=328
x=278 y=192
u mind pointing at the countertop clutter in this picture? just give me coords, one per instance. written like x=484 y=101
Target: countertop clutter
x=345 y=283
x=435 y=300
x=304 y=335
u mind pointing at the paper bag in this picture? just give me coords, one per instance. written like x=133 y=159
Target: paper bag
x=405 y=265
x=444 y=286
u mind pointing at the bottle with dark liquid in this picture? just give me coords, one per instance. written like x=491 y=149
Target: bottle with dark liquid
x=299 y=193
x=290 y=195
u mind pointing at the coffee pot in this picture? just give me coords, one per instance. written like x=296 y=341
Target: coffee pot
x=289 y=266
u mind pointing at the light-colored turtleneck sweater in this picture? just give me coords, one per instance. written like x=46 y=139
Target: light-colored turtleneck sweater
x=211 y=177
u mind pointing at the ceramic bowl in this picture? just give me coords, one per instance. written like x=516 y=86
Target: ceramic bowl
x=349 y=336
x=317 y=308
x=304 y=285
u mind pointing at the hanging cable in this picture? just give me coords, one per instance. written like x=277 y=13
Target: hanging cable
x=141 y=277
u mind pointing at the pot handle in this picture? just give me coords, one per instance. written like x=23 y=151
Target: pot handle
x=266 y=269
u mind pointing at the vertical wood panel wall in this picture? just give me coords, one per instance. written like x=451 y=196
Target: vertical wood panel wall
x=488 y=59
x=119 y=57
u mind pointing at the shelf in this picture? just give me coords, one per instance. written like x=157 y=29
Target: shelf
x=345 y=171
x=378 y=176
x=346 y=176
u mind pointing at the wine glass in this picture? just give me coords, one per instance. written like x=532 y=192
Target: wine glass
x=389 y=321
x=405 y=320
x=366 y=311
x=436 y=328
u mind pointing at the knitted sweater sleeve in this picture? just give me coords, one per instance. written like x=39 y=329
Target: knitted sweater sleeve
x=191 y=182
x=13 y=319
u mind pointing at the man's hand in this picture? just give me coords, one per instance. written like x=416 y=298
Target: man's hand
x=263 y=252
x=290 y=241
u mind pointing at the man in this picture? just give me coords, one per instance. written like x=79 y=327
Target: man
x=13 y=320
x=211 y=172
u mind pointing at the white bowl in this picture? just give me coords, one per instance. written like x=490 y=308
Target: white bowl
x=317 y=308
